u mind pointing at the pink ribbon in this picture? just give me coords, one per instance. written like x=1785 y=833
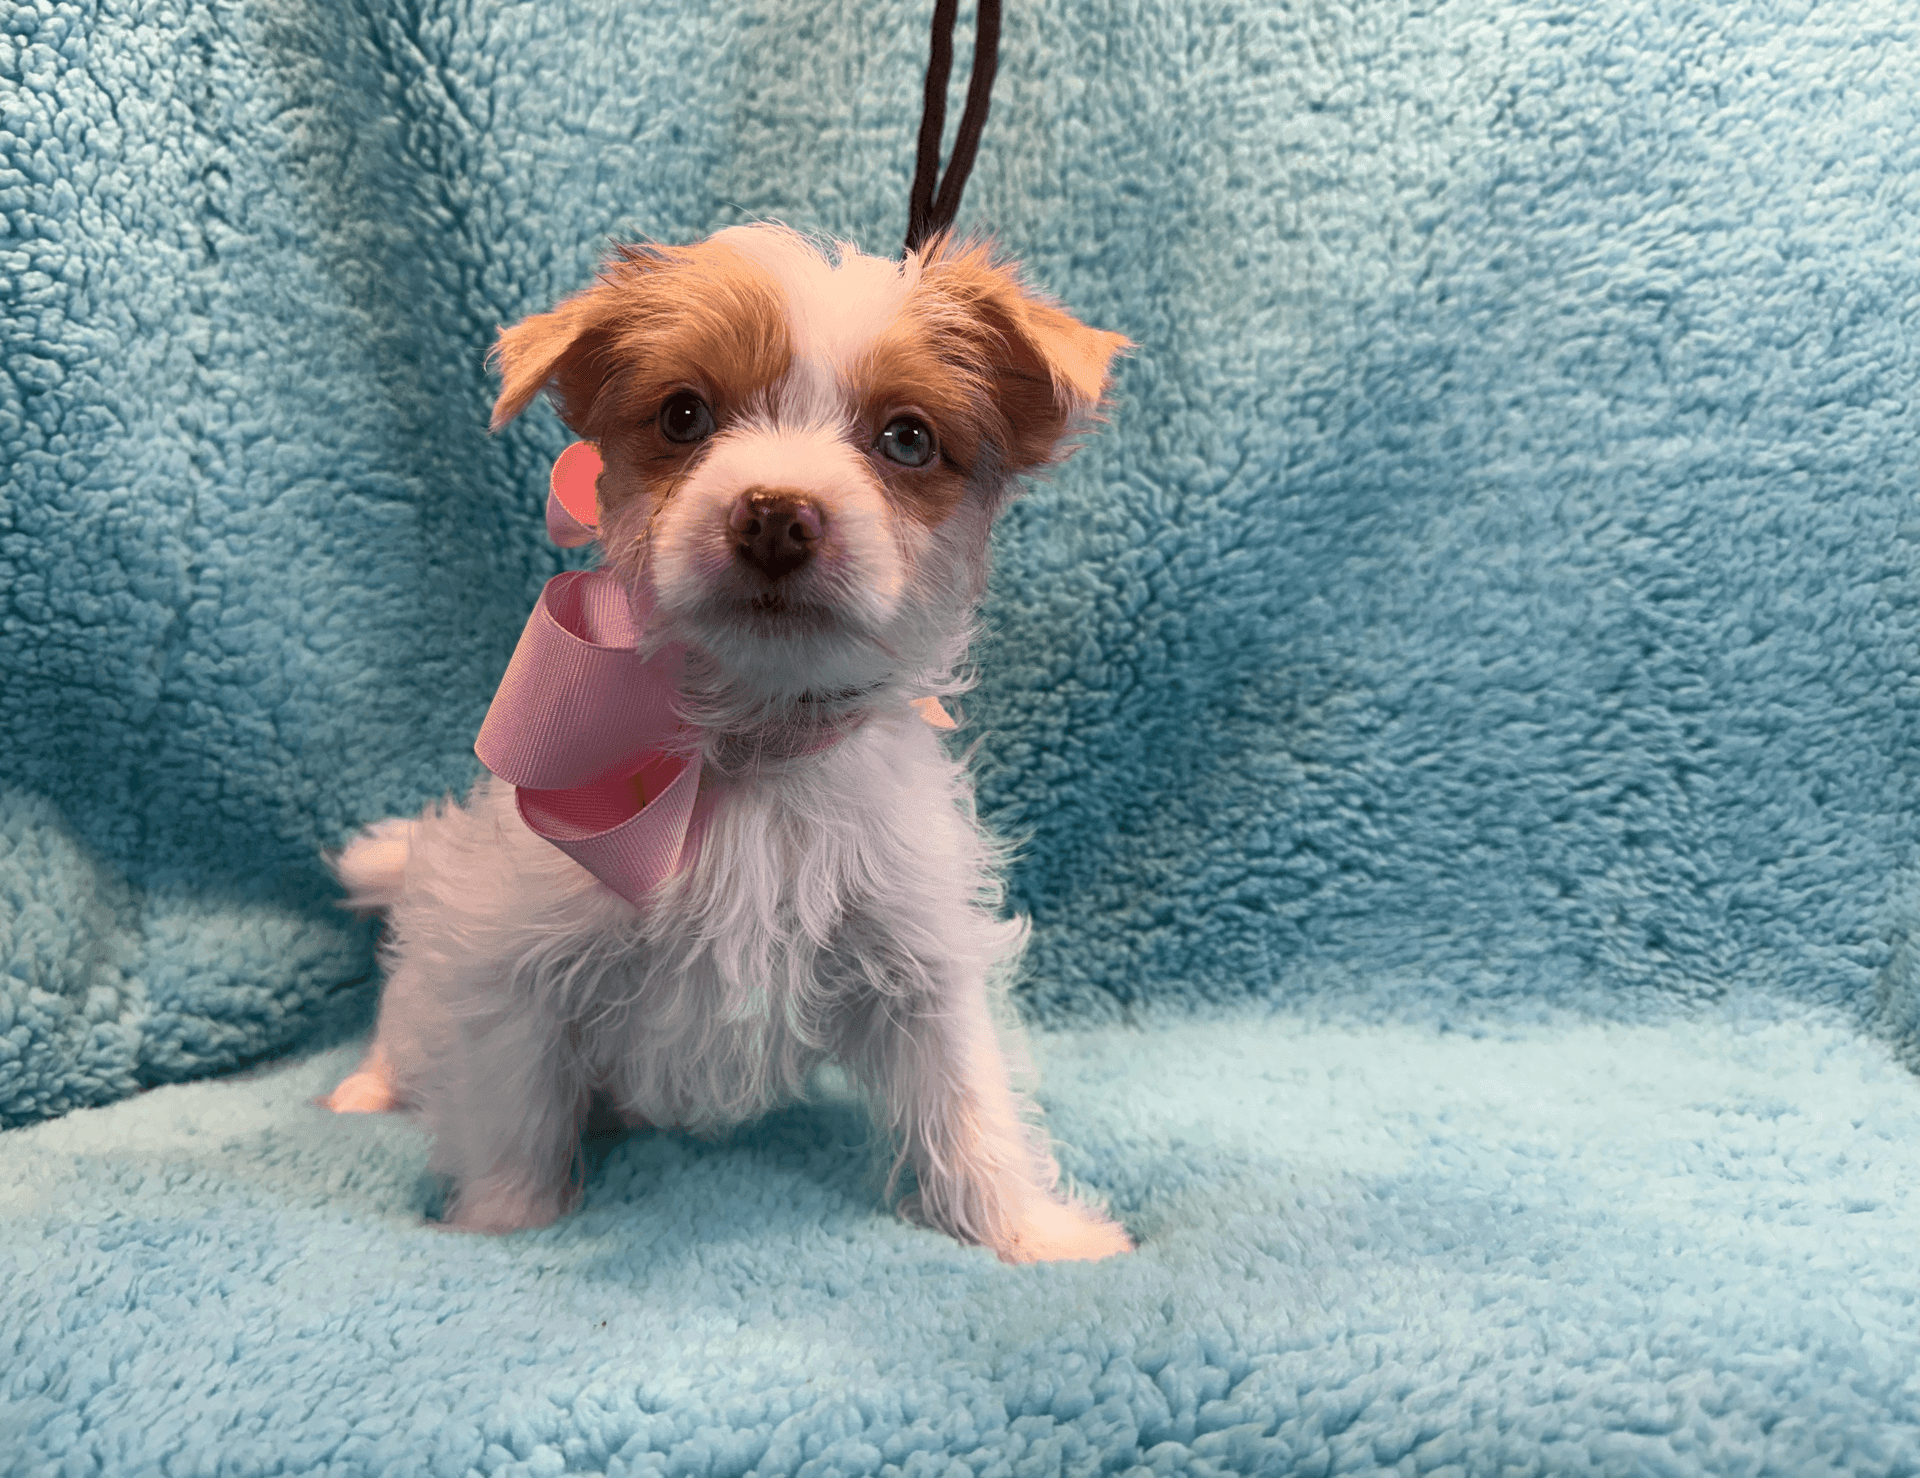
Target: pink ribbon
x=582 y=727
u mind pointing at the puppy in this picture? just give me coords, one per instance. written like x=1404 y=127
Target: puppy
x=803 y=453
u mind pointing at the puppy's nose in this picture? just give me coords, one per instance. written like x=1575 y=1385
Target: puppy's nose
x=774 y=530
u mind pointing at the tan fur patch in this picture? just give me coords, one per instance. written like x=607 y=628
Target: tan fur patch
x=1046 y=370
x=659 y=320
x=907 y=373
x=975 y=353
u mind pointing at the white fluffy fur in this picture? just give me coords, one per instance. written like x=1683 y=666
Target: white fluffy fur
x=842 y=902
x=834 y=309
x=862 y=569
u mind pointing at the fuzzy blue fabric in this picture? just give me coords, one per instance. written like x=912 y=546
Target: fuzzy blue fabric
x=1462 y=711
x=1565 y=1247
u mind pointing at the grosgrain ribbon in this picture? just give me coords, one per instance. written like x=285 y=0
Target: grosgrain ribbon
x=583 y=727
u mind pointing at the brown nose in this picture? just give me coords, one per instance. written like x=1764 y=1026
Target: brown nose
x=774 y=530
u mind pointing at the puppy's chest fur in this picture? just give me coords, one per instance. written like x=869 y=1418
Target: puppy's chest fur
x=825 y=890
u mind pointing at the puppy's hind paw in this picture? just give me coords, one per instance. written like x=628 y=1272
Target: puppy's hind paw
x=362 y=1093
x=1054 y=1231
x=373 y=868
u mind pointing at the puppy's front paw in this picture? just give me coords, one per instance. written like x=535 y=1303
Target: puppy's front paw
x=496 y=1205
x=1050 y=1231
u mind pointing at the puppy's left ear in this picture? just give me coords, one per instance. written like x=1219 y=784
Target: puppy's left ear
x=1047 y=371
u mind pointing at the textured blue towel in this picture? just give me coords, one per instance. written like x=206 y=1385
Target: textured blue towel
x=1562 y=1249
x=1495 y=598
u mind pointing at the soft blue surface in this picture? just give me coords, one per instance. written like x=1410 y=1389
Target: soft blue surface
x=1570 y=1248
x=1495 y=599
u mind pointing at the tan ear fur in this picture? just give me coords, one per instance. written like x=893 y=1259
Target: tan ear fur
x=557 y=348
x=655 y=314
x=1049 y=371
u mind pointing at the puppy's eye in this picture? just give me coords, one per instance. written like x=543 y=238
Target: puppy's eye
x=685 y=417
x=908 y=441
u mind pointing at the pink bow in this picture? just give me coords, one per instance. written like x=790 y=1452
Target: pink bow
x=582 y=727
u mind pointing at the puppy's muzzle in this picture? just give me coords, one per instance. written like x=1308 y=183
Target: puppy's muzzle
x=775 y=530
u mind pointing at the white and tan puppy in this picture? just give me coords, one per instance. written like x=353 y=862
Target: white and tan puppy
x=804 y=453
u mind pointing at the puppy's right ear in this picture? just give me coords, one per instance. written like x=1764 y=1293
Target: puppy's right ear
x=565 y=351
x=1047 y=370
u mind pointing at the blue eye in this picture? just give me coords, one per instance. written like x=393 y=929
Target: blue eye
x=908 y=441
x=685 y=417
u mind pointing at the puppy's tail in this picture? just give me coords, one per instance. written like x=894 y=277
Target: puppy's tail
x=373 y=869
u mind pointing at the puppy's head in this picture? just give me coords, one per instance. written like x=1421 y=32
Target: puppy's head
x=804 y=453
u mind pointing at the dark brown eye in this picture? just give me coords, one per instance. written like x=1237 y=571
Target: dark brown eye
x=907 y=440
x=685 y=417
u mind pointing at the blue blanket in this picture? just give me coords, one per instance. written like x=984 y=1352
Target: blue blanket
x=1492 y=610
x=1563 y=1247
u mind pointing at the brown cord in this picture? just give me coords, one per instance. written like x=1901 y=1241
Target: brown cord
x=929 y=212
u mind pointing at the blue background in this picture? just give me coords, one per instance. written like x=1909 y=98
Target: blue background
x=1498 y=579
x=1460 y=716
